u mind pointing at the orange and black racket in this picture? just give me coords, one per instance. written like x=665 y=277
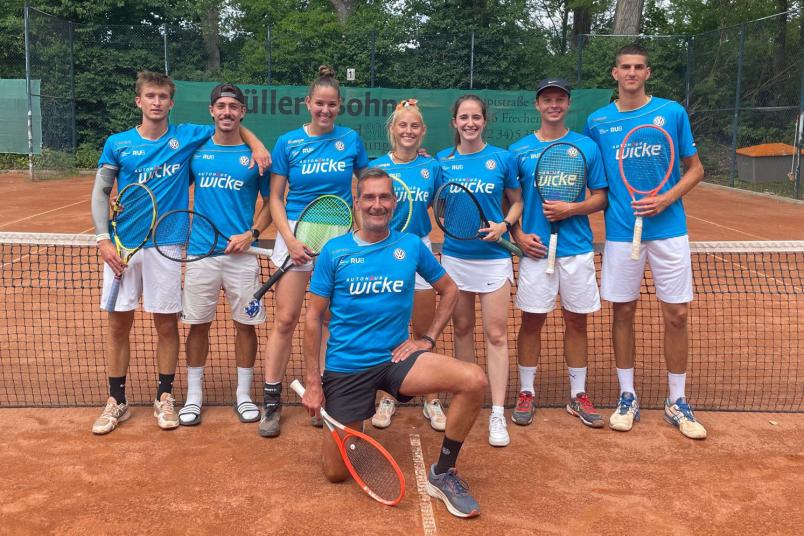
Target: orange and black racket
x=646 y=158
x=372 y=467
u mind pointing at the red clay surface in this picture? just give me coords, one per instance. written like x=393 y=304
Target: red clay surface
x=556 y=477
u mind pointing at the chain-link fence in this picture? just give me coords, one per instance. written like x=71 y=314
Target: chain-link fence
x=741 y=85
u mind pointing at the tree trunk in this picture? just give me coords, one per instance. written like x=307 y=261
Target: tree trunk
x=627 y=17
x=210 y=32
x=343 y=8
x=779 y=40
x=581 y=22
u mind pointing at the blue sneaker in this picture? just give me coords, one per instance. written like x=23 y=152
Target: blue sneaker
x=451 y=489
x=626 y=413
x=680 y=415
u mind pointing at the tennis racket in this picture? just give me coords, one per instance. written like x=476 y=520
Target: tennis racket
x=189 y=236
x=372 y=467
x=404 y=205
x=560 y=176
x=646 y=158
x=326 y=217
x=133 y=219
x=458 y=213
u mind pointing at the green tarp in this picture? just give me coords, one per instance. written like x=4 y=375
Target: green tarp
x=14 y=117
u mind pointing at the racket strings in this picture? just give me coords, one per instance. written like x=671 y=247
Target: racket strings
x=134 y=218
x=561 y=173
x=182 y=233
x=646 y=158
x=326 y=218
x=372 y=467
x=404 y=206
x=458 y=213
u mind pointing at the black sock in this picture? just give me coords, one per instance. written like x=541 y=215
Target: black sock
x=165 y=385
x=117 y=388
x=449 y=454
x=272 y=395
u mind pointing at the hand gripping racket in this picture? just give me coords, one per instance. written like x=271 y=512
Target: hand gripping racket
x=458 y=213
x=326 y=217
x=646 y=158
x=372 y=467
x=133 y=219
x=188 y=236
x=404 y=206
x=560 y=176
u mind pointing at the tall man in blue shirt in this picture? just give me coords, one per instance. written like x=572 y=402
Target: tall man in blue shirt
x=665 y=244
x=367 y=280
x=157 y=153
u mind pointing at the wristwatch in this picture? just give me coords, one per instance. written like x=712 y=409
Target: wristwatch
x=430 y=340
x=255 y=233
x=508 y=225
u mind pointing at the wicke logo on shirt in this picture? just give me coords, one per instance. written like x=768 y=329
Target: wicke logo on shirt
x=325 y=165
x=219 y=180
x=156 y=172
x=374 y=284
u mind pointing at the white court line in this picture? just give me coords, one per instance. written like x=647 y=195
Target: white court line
x=761 y=274
x=727 y=227
x=425 y=505
x=43 y=213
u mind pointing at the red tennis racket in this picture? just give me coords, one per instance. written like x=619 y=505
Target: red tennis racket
x=646 y=158
x=372 y=467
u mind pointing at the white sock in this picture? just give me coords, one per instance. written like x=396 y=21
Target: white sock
x=676 y=384
x=245 y=378
x=527 y=377
x=498 y=410
x=577 y=378
x=626 y=377
x=195 y=381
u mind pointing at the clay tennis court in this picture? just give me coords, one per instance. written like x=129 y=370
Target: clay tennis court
x=556 y=477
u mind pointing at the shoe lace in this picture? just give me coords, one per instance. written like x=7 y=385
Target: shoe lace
x=586 y=404
x=167 y=405
x=624 y=405
x=110 y=410
x=685 y=411
x=386 y=406
x=524 y=401
x=435 y=409
x=497 y=422
x=458 y=485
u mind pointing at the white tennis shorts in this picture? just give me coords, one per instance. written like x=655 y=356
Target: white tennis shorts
x=148 y=275
x=670 y=264
x=280 y=253
x=574 y=280
x=421 y=283
x=481 y=276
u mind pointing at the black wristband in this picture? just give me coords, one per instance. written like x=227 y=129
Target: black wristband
x=430 y=340
x=508 y=225
x=255 y=233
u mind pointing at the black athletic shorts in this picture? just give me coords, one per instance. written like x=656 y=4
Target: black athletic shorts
x=349 y=396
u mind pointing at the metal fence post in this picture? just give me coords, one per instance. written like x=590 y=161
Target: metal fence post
x=737 y=93
x=688 y=72
x=71 y=26
x=268 y=53
x=28 y=89
x=373 y=54
x=472 y=62
x=579 y=62
x=165 y=47
x=797 y=158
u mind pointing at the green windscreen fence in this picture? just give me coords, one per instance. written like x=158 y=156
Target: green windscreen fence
x=14 y=117
x=275 y=110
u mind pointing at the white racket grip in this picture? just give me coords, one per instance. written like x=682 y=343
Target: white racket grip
x=635 y=243
x=297 y=387
x=551 y=254
x=259 y=251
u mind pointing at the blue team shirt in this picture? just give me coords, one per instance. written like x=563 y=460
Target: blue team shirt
x=317 y=165
x=225 y=188
x=423 y=177
x=486 y=173
x=608 y=127
x=370 y=288
x=575 y=234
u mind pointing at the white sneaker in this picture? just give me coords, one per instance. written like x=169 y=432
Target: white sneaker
x=386 y=409
x=434 y=413
x=498 y=431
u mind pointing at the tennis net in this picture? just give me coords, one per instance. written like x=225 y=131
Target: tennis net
x=745 y=334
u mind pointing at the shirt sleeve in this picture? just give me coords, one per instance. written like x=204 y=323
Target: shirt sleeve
x=195 y=135
x=279 y=158
x=428 y=266
x=108 y=157
x=686 y=143
x=264 y=182
x=322 y=282
x=511 y=178
x=597 y=174
x=361 y=157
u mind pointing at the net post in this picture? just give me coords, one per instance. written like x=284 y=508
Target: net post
x=26 y=17
x=165 y=47
x=688 y=72
x=799 y=126
x=472 y=61
x=268 y=54
x=579 y=61
x=373 y=54
x=736 y=118
x=71 y=28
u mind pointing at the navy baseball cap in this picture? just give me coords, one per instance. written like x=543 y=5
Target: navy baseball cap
x=227 y=90
x=558 y=83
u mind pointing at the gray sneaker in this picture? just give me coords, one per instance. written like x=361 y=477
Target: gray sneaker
x=452 y=489
x=269 y=423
